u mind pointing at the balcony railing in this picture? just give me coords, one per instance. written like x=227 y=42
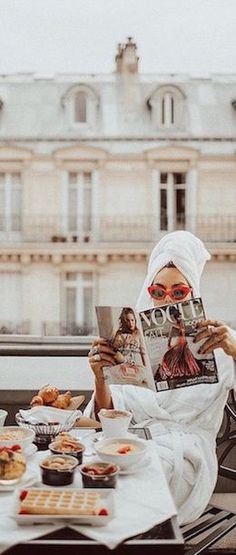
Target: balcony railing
x=13 y=328
x=118 y=229
x=54 y=329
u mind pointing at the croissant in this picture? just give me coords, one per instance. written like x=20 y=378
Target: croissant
x=49 y=394
x=62 y=401
x=36 y=400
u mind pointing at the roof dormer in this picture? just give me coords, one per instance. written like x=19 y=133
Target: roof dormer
x=166 y=104
x=81 y=103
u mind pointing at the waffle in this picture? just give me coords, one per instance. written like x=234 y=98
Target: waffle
x=50 y=502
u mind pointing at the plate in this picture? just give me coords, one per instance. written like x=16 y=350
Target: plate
x=28 y=479
x=106 y=501
x=136 y=467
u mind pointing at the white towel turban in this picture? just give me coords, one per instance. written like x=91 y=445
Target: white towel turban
x=187 y=253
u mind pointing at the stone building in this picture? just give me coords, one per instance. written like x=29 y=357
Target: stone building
x=94 y=169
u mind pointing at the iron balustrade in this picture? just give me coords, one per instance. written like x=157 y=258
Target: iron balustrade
x=135 y=228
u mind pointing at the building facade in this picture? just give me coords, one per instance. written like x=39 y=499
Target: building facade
x=94 y=169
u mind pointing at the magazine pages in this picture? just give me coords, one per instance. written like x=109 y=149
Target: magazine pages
x=122 y=327
x=155 y=348
x=169 y=333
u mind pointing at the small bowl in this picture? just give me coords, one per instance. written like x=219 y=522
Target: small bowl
x=60 y=476
x=90 y=480
x=132 y=451
x=10 y=435
x=77 y=454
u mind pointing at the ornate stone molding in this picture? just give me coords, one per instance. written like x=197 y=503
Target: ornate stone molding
x=98 y=257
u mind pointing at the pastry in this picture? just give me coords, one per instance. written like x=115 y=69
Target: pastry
x=65 y=443
x=62 y=401
x=12 y=463
x=49 y=394
x=37 y=400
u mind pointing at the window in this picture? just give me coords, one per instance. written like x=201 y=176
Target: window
x=168 y=110
x=80 y=204
x=172 y=201
x=10 y=301
x=78 y=303
x=166 y=106
x=80 y=107
x=10 y=202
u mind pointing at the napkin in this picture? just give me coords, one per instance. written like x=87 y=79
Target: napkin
x=142 y=500
x=48 y=415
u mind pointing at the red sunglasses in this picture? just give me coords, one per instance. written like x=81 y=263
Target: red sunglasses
x=176 y=292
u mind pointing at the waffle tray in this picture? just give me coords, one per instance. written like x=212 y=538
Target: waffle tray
x=75 y=505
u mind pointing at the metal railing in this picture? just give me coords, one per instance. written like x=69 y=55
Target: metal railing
x=14 y=328
x=137 y=228
x=61 y=329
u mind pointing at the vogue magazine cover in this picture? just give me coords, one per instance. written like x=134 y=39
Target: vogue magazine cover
x=169 y=332
x=155 y=348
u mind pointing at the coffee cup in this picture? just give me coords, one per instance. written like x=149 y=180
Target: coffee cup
x=114 y=422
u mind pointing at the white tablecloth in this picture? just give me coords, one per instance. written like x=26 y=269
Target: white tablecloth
x=142 y=500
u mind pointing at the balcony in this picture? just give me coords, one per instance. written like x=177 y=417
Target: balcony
x=13 y=328
x=62 y=329
x=117 y=229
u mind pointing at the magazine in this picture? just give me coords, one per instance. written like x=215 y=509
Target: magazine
x=155 y=348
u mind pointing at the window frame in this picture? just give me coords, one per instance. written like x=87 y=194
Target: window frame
x=8 y=186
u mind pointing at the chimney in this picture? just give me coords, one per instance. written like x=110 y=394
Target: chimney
x=126 y=58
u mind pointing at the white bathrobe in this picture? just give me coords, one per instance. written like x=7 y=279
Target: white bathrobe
x=183 y=422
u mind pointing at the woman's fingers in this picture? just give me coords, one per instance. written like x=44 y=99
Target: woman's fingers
x=217 y=335
x=212 y=343
x=101 y=345
x=104 y=358
x=209 y=331
x=205 y=323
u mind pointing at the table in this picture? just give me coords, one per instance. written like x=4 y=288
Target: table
x=166 y=536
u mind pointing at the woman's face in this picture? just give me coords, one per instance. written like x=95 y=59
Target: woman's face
x=168 y=277
x=130 y=321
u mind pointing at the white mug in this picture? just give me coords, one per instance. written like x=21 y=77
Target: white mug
x=114 y=422
x=3 y=415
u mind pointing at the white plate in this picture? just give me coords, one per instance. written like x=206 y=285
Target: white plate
x=31 y=450
x=28 y=479
x=100 y=435
x=107 y=501
x=136 y=467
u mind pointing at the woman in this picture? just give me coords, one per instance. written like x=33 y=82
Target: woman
x=178 y=361
x=127 y=339
x=184 y=422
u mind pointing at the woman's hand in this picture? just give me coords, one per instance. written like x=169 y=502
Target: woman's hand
x=217 y=335
x=101 y=354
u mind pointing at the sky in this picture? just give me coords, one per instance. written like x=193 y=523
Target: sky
x=81 y=36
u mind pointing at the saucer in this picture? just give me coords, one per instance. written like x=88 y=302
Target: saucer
x=28 y=479
x=135 y=467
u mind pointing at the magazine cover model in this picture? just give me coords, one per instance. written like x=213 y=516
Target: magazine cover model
x=155 y=348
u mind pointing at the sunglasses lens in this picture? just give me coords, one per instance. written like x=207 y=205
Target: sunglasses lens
x=157 y=292
x=180 y=292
